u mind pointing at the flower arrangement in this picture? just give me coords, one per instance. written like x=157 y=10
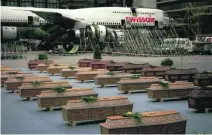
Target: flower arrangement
x=97 y=53
x=56 y=65
x=135 y=76
x=90 y=99
x=13 y=72
x=36 y=83
x=72 y=67
x=136 y=116
x=59 y=89
x=42 y=56
x=111 y=73
x=167 y=62
x=164 y=84
x=21 y=78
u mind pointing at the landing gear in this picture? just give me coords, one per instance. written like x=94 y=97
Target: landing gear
x=68 y=47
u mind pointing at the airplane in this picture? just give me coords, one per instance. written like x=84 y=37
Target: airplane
x=98 y=19
x=17 y=21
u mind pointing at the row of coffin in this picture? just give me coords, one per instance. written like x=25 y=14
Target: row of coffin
x=126 y=83
x=147 y=70
x=74 y=109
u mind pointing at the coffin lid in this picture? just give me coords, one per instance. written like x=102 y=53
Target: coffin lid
x=40 y=61
x=16 y=75
x=12 y=70
x=173 y=86
x=77 y=69
x=100 y=62
x=69 y=92
x=85 y=60
x=201 y=93
x=155 y=69
x=43 y=65
x=30 y=79
x=135 y=66
x=101 y=102
x=46 y=85
x=100 y=99
x=203 y=76
x=57 y=67
x=94 y=72
x=117 y=64
x=6 y=69
x=147 y=118
x=139 y=80
x=182 y=71
x=116 y=75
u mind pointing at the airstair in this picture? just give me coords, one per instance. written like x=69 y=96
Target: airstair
x=147 y=41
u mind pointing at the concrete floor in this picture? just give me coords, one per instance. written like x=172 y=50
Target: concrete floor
x=24 y=117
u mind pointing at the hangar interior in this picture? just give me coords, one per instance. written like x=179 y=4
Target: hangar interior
x=71 y=4
x=192 y=18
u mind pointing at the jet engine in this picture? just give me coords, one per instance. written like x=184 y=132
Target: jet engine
x=97 y=31
x=9 y=33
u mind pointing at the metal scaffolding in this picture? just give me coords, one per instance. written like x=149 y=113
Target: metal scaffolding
x=192 y=23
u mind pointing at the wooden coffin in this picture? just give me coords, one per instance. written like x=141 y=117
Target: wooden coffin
x=89 y=75
x=99 y=64
x=5 y=68
x=70 y=73
x=158 y=122
x=6 y=76
x=200 y=99
x=85 y=62
x=156 y=71
x=13 y=83
x=135 y=68
x=142 y=83
x=79 y=110
x=110 y=79
x=116 y=66
x=42 y=67
x=181 y=74
x=12 y=71
x=49 y=99
x=174 y=90
x=56 y=69
x=2 y=66
x=203 y=79
x=28 y=90
x=32 y=64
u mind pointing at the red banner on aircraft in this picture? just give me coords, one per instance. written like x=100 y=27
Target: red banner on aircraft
x=141 y=19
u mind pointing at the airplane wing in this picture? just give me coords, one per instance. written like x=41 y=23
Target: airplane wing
x=55 y=17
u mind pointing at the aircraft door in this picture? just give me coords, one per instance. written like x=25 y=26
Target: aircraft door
x=36 y=21
x=134 y=11
x=33 y=21
x=30 y=20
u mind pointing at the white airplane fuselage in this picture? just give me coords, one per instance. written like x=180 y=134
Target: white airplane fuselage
x=112 y=16
x=10 y=17
x=107 y=16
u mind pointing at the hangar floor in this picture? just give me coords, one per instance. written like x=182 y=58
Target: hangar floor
x=24 y=117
